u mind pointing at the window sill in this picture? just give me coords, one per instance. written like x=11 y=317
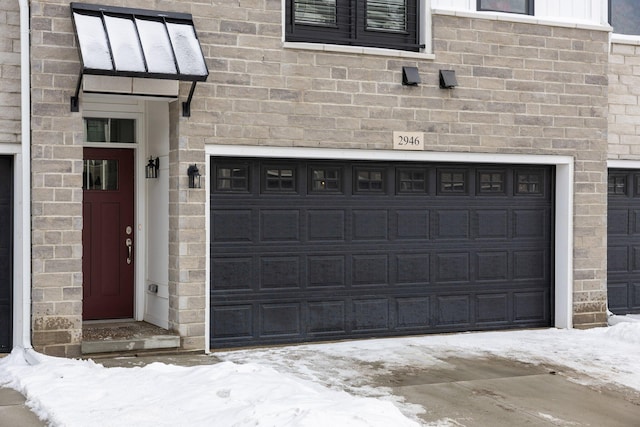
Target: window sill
x=525 y=19
x=334 y=48
x=625 y=39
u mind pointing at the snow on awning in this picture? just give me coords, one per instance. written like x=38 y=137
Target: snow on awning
x=125 y=42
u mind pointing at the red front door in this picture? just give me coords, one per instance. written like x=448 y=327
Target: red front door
x=108 y=234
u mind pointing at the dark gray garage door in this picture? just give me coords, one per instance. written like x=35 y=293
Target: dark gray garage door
x=313 y=250
x=623 y=259
x=6 y=233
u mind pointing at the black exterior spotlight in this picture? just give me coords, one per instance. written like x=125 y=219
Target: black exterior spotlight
x=151 y=170
x=448 y=79
x=410 y=76
x=194 y=176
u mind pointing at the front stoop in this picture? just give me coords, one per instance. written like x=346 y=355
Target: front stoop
x=116 y=337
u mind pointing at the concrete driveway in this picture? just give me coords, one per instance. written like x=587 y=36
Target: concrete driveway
x=488 y=392
x=500 y=392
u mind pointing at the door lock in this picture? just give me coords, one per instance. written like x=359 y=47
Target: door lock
x=129 y=244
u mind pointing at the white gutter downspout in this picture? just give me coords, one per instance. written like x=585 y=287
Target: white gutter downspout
x=22 y=295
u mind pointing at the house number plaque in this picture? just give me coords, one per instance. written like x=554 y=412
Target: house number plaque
x=408 y=140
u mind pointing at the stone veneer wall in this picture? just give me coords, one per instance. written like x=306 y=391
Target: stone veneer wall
x=524 y=89
x=624 y=101
x=9 y=71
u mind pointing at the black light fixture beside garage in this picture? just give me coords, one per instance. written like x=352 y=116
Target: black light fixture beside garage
x=194 y=176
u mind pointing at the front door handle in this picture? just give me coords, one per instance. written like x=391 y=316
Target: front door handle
x=129 y=244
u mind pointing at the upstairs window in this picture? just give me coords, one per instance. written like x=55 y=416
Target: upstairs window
x=624 y=16
x=391 y=24
x=524 y=7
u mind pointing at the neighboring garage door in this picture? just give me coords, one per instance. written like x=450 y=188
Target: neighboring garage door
x=623 y=258
x=323 y=250
x=6 y=233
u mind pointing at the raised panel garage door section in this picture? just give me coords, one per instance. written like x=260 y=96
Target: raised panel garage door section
x=6 y=233
x=305 y=250
x=623 y=257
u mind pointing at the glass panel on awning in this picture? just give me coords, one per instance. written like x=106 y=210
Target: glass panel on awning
x=125 y=44
x=187 y=49
x=93 y=45
x=156 y=46
x=120 y=41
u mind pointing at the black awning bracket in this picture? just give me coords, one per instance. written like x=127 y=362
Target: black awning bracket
x=186 y=106
x=75 y=99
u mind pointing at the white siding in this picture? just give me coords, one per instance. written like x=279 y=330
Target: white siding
x=580 y=11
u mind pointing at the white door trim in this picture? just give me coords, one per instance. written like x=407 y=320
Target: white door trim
x=563 y=262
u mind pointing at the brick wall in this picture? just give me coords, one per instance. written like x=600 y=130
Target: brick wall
x=9 y=71
x=624 y=106
x=56 y=183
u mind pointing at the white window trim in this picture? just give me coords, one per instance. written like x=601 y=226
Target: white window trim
x=563 y=262
x=424 y=23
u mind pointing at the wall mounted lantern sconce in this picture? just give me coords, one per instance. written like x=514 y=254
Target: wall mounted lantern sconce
x=410 y=76
x=448 y=79
x=151 y=170
x=194 y=176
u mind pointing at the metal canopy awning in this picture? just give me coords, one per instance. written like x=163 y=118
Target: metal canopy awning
x=125 y=42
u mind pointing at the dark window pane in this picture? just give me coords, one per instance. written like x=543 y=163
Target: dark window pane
x=387 y=15
x=368 y=180
x=122 y=130
x=625 y=16
x=491 y=182
x=617 y=185
x=232 y=178
x=110 y=130
x=412 y=181
x=325 y=180
x=318 y=12
x=511 y=6
x=100 y=175
x=453 y=182
x=529 y=183
x=279 y=179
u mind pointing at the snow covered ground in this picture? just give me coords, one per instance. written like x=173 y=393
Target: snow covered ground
x=307 y=385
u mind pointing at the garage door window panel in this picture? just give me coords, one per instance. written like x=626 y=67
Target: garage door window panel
x=452 y=182
x=529 y=183
x=369 y=180
x=491 y=182
x=617 y=185
x=325 y=180
x=411 y=181
x=279 y=179
x=232 y=179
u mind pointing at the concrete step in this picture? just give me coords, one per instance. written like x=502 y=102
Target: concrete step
x=118 y=337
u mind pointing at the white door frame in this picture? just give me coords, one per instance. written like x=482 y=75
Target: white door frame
x=100 y=107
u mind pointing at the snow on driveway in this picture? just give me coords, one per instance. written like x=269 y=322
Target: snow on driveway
x=306 y=385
